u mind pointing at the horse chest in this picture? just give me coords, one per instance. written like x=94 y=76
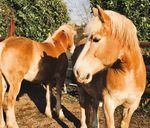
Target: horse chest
x=123 y=90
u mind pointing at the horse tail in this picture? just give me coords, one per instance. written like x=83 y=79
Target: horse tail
x=11 y=28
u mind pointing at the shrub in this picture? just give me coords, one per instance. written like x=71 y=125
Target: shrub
x=136 y=10
x=33 y=18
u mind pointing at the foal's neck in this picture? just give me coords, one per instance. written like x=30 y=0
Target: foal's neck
x=60 y=46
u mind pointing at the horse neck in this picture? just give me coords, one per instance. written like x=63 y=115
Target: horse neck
x=61 y=47
x=132 y=58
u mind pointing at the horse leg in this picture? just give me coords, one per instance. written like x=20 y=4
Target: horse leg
x=48 y=102
x=127 y=114
x=83 y=118
x=11 y=98
x=109 y=109
x=91 y=111
x=83 y=106
x=59 y=86
x=3 y=88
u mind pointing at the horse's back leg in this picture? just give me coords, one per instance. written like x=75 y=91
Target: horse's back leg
x=128 y=112
x=59 y=86
x=82 y=102
x=48 y=102
x=14 y=88
x=3 y=88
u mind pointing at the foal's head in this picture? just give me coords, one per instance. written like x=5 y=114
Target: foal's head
x=109 y=33
x=65 y=35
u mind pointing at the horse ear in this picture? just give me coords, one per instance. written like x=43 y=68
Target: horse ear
x=11 y=28
x=61 y=35
x=95 y=11
x=102 y=15
x=49 y=38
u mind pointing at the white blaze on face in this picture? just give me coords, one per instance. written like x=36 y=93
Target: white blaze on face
x=84 y=68
x=94 y=25
x=82 y=54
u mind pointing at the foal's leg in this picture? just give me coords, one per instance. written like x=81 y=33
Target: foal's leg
x=109 y=109
x=59 y=86
x=2 y=92
x=11 y=98
x=82 y=104
x=83 y=118
x=127 y=114
x=48 y=102
x=91 y=111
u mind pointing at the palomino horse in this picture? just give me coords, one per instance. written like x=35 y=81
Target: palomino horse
x=22 y=58
x=112 y=50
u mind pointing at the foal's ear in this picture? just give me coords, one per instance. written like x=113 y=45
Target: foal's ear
x=95 y=11
x=102 y=15
x=61 y=35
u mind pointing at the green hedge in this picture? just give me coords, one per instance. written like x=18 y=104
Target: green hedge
x=33 y=18
x=136 y=10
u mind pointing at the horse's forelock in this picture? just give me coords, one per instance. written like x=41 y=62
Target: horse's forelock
x=93 y=25
x=121 y=29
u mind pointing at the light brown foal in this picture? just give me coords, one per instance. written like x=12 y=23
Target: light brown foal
x=22 y=58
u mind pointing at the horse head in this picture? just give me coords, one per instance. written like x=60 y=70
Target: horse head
x=65 y=36
x=109 y=33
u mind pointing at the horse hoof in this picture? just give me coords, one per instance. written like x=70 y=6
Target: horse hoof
x=100 y=104
x=48 y=113
x=2 y=125
x=83 y=126
x=123 y=125
x=61 y=114
x=12 y=126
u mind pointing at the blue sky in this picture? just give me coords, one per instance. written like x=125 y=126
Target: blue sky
x=79 y=11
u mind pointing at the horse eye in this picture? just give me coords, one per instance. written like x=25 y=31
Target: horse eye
x=96 y=39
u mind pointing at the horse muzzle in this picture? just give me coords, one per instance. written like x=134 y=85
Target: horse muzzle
x=82 y=77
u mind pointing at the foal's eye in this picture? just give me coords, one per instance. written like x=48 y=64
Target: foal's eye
x=95 y=39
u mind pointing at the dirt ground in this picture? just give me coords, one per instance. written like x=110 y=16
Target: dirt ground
x=30 y=111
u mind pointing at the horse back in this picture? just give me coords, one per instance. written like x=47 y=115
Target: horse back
x=16 y=56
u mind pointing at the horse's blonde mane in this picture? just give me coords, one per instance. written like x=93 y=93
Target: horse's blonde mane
x=65 y=27
x=123 y=29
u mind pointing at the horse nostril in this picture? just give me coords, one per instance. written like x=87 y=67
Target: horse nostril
x=88 y=76
x=77 y=72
